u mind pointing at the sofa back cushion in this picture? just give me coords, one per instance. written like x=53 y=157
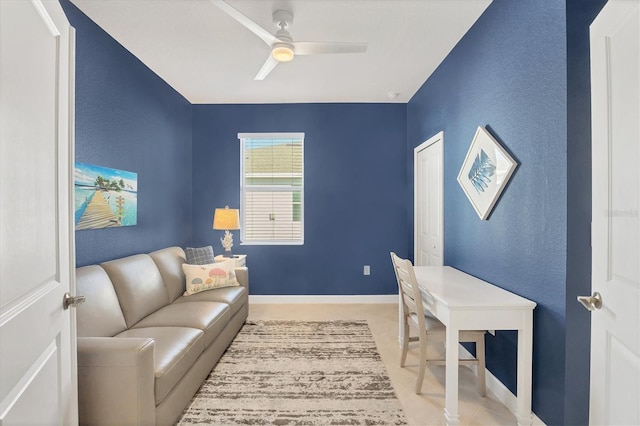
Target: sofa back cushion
x=100 y=315
x=139 y=286
x=169 y=261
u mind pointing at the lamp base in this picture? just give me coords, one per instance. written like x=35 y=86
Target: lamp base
x=227 y=243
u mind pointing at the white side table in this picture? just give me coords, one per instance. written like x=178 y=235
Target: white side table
x=241 y=259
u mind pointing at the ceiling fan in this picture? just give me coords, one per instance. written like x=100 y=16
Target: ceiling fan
x=283 y=48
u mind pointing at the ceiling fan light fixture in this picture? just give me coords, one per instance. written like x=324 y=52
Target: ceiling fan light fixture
x=282 y=53
x=283 y=48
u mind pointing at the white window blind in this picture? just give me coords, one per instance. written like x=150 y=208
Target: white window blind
x=272 y=188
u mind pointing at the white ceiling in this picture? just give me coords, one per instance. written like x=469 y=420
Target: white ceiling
x=209 y=58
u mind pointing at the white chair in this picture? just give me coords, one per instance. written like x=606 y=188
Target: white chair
x=428 y=327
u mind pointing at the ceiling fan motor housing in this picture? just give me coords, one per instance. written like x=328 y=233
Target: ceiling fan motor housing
x=282 y=18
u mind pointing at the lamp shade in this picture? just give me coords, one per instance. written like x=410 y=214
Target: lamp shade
x=226 y=218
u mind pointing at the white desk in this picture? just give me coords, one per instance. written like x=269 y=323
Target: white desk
x=463 y=302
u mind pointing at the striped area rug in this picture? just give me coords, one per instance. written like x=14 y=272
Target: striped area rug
x=298 y=373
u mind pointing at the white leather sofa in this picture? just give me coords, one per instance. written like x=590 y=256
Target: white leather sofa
x=144 y=349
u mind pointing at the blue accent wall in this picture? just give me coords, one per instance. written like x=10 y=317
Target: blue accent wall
x=355 y=193
x=523 y=72
x=128 y=118
x=509 y=74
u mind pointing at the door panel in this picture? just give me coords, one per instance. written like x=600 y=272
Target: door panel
x=42 y=383
x=37 y=346
x=30 y=94
x=615 y=331
x=622 y=364
x=428 y=160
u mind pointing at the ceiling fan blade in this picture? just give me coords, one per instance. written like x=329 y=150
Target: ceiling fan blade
x=267 y=67
x=317 y=48
x=265 y=35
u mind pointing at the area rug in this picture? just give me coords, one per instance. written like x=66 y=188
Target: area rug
x=298 y=373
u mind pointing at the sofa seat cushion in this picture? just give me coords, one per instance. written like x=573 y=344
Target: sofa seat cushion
x=210 y=317
x=177 y=348
x=235 y=297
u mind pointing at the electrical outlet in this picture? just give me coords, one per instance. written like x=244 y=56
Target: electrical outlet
x=367 y=270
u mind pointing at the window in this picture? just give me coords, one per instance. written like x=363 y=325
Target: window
x=271 y=188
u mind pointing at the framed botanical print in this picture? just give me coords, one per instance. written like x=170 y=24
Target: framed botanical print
x=485 y=172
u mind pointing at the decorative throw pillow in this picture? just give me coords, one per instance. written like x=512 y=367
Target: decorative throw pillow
x=207 y=277
x=199 y=255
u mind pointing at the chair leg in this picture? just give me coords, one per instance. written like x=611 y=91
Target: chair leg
x=482 y=381
x=405 y=342
x=422 y=361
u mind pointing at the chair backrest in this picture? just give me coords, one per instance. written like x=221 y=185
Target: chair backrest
x=408 y=286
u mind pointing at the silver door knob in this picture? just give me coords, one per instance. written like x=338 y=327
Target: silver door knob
x=71 y=301
x=591 y=303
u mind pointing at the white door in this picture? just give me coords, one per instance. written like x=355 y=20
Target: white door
x=37 y=341
x=615 y=327
x=428 y=202
x=428 y=208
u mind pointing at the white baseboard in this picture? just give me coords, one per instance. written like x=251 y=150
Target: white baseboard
x=502 y=393
x=323 y=300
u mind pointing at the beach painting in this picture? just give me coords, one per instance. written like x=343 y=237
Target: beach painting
x=104 y=197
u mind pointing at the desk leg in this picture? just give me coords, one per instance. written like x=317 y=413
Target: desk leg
x=525 y=360
x=451 y=378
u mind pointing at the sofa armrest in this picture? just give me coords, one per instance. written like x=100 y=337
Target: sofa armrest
x=242 y=275
x=116 y=378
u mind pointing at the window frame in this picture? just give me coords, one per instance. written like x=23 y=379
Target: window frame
x=269 y=188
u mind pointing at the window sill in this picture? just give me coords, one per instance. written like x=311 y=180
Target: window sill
x=273 y=243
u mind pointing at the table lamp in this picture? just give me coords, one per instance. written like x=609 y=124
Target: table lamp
x=226 y=219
